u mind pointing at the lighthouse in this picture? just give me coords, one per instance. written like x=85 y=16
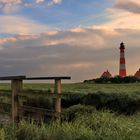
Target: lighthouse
x=122 y=69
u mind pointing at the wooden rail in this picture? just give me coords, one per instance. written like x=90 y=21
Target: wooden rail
x=17 y=86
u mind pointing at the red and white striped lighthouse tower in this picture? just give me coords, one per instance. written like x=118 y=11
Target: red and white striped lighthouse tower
x=122 y=69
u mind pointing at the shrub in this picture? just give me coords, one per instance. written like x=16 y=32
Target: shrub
x=116 y=79
x=72 y=111
x=71 y=99
x=121 y=103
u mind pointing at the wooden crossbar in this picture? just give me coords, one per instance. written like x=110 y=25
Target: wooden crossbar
x=49 y=78
x=21 y=77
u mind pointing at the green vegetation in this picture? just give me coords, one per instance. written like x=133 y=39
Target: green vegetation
x=90 y=112
x=101 y=125
x=80 y=87
x=116 y=79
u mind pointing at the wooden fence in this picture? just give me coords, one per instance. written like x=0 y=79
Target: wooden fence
x=17 y=87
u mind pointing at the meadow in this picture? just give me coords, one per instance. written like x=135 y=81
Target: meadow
x=80 y=87
x=93 y=112
x=87 y=88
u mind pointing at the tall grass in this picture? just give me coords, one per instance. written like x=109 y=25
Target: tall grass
x=99 y=125
x=84 y=122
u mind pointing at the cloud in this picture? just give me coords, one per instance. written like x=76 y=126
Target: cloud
x=8 y=6
x=82 y=55
x=122 y=20
x=77 y=30
x=12 y=6
x=123 y=15
x=52 y=2
x=81 y=52
x=20 y=25
x=10 y=1
x=39 y=1
x=56 y=1
x=132 y=6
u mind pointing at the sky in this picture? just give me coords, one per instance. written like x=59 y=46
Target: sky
x=77 y=38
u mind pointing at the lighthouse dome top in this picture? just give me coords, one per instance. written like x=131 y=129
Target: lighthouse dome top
x=122 y=45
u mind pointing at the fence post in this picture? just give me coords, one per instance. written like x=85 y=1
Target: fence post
x=16 y=86
x=58 y=97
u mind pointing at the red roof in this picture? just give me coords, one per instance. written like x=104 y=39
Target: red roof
x=106 y=74
x=137 y=74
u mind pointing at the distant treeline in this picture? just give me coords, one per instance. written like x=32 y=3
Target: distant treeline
x=116 y=79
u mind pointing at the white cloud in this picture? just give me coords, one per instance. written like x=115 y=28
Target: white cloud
x=10 y=1
x=123 y=15
x=56 y=1
x=8 y=6
x=77 y=30
x=52 y=2
x=11 y=6
x=123 y=20
x=9 y=39
x=39 y=1
x=20 y=25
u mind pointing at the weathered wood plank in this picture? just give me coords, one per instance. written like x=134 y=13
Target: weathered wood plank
x=13 y=77
x=48 y=78
x=58 y=88
x=33 y=78
x=16 y=86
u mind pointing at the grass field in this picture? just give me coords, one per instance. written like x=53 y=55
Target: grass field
x=82 y=87
x=108 y=112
